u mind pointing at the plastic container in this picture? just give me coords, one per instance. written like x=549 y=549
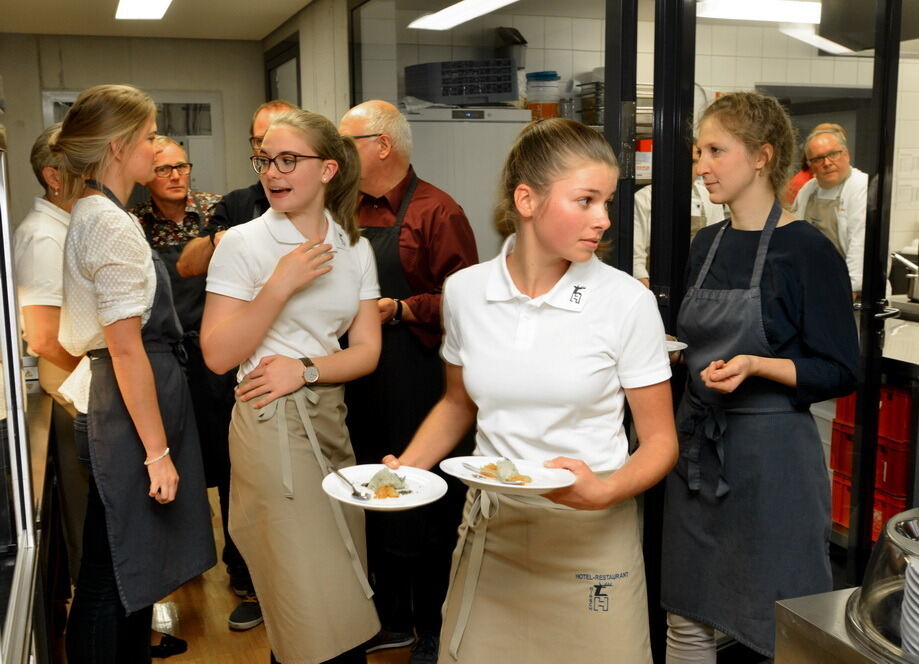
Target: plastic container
x=543 y=91
x=885 y=505
x=893 y=418
x=891 y=461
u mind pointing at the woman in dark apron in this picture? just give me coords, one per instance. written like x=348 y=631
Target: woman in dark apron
x=143 y=536
x=769 y=328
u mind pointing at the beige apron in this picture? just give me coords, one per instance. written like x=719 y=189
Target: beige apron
x=305 y=551
x=823 y=213
x=697 y=223
x=545 y=584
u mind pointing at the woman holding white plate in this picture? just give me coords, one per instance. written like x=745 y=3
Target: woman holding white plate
x=543 y=345
x=282 y=289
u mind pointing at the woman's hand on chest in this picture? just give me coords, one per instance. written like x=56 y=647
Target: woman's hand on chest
x=297 y=268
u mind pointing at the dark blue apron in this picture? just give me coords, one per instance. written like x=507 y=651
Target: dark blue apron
x=746 y=514
x=155 y=548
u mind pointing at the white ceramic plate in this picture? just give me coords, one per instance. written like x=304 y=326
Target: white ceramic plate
x=672 y=346
x=423 y=487
x=544 y=479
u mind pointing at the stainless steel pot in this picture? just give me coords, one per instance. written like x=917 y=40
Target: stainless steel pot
x=912 y=278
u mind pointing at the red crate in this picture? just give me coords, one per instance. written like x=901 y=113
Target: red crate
x=842 y=446
x=842 y=498
x=891 y=460
x=845 y=409
x=644 y=145
x=894 y=414
x=885 y=506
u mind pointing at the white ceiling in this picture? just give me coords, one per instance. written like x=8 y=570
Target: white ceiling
x=190 y=19
x=226 y=19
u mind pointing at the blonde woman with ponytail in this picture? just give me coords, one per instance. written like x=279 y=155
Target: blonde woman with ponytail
x=147 y=527
x=282 y=289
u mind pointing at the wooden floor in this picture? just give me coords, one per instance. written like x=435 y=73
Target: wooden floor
x=198 y=612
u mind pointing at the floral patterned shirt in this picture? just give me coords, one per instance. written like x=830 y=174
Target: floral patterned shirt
x=165 y=232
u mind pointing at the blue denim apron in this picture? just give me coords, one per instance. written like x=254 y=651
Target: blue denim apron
x=746 y=515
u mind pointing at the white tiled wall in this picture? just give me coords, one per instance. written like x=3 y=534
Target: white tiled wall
x=728 y=58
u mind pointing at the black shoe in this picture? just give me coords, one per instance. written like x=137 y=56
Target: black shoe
x=240 y=582
x=425 y=651
x=247 y=615
x=169 y=646
x=385 y=639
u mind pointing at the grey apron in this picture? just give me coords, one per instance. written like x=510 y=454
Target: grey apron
x=212 y=394
x=746 y=514
x=824 y=214
x=155 y=548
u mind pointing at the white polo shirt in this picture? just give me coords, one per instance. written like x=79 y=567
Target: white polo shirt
x=38 y=250
x=314 y=318
x=546 y=373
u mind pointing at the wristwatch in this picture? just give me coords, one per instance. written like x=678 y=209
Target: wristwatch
x=310 y=371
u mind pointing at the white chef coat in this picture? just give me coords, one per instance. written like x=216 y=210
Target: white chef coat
x=850 y=217
x=314 y=318
x=700 y=204
x=547 y=373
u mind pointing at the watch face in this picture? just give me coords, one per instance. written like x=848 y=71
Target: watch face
x=311 y=375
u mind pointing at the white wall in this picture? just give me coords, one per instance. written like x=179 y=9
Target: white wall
x=324 y=74
x=30 y=64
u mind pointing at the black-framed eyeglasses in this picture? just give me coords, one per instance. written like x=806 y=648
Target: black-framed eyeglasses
x=366 y=136
x=165 y=171
x=832 y=156
x=285 y=162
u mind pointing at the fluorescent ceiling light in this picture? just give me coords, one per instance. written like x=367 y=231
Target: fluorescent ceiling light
x=142 y=9
x=776 y=11
x=808 y=35
x=461 y=12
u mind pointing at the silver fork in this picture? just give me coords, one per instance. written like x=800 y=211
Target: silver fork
x=357 y=493
x=478 y=472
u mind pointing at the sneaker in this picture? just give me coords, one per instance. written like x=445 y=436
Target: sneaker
x=247 y=615
x=240 y=584
x=385 y=639
x=425 y=650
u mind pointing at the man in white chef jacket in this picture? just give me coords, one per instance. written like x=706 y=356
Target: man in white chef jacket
x=836 y=199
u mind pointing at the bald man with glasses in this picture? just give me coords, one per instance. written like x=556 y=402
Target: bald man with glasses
x=835 y=200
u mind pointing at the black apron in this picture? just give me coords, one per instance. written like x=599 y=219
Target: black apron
x=746 y=514
x=386 y=407
x=155 y=548
x=212 y=394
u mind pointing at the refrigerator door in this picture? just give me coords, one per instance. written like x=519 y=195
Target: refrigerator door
x=464 y=158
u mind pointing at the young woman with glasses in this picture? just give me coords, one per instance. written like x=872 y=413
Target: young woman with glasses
x=282 y=289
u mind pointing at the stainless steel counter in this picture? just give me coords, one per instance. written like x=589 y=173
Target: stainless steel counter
x=901 y=337
x=812 y=630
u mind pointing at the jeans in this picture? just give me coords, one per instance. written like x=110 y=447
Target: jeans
x=99 y=631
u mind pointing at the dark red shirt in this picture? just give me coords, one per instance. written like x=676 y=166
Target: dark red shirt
x=435 y=241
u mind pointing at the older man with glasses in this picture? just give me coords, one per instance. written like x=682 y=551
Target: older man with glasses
x=836 y=199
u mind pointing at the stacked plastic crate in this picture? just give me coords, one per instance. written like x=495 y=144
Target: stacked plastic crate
x=891 y=463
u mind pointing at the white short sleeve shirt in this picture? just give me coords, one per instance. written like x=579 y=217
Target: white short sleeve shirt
x=108 y=276
x=547 y=373
x=38 y=252
x=314 y=318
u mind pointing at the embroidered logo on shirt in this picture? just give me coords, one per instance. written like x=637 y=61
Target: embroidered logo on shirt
x=576 y=293
x=597 y=599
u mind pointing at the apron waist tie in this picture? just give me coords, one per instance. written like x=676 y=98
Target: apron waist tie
x=484 y=507
x=300 y=397
x=707 y=426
